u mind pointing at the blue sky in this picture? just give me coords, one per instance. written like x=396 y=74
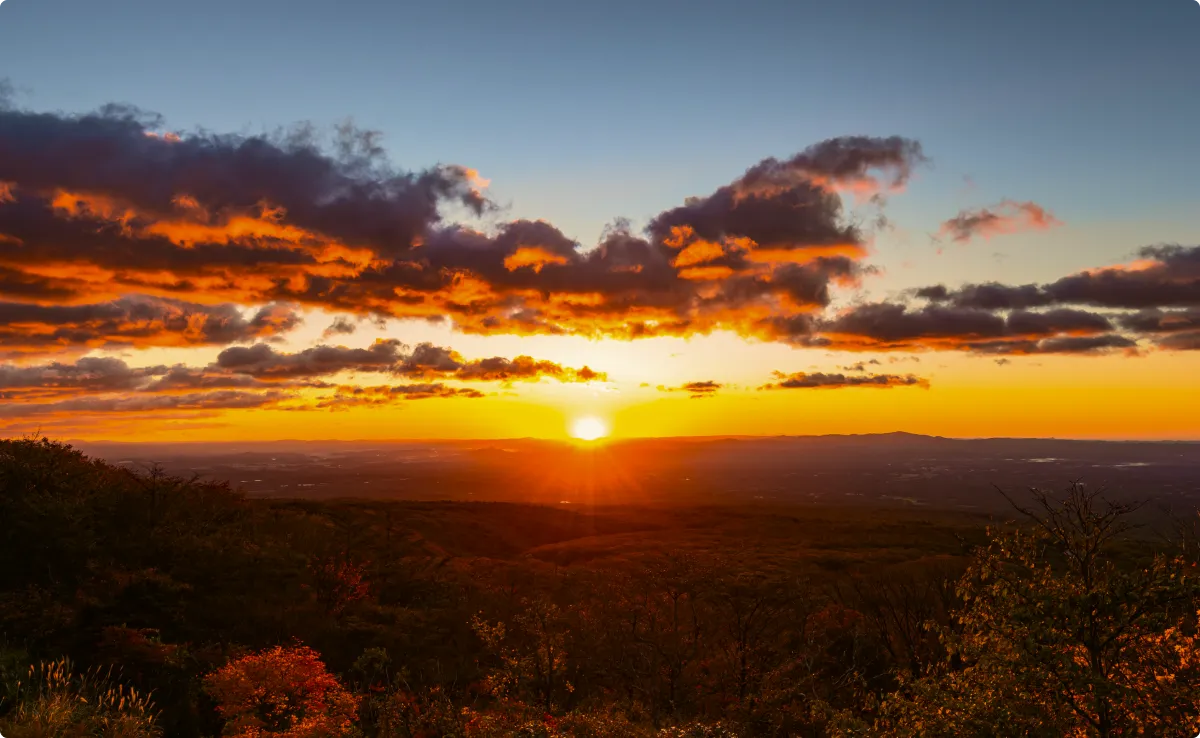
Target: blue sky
x=583 y=112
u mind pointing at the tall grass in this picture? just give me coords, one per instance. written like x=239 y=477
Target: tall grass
x=55 y=701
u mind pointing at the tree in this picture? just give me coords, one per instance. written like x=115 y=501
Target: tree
x=281 y=692
x=533 y=654
x=1057 y=637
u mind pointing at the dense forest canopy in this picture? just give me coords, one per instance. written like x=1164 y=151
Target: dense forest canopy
x=134 y=603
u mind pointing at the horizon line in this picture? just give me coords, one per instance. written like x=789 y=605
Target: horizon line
x=623 y=439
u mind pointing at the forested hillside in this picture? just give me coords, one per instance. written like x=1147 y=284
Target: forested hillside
x=134 y=603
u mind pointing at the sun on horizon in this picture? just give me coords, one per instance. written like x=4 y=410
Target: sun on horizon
x=589 y=428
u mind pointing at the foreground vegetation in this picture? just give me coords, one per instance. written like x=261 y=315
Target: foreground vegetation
x=137 y=604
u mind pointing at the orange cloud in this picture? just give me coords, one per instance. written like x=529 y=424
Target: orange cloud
x=706 y=274
x=532 y=256
x=135 y=322
x=201 y=221
x=804 y=256
x=1005 y=218
x=698 y=252
x=195 y=220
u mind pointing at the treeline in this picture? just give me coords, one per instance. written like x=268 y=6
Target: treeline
x=140 y=604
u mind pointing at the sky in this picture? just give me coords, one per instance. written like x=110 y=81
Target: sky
x=484 y=220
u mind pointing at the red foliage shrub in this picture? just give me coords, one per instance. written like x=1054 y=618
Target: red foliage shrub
x=281 y=692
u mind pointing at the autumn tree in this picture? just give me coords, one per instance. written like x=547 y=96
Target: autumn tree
x=1059 y=636
x=281 y=692
x=532 y=653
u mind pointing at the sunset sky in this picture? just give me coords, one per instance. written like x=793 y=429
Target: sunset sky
x=479 y=220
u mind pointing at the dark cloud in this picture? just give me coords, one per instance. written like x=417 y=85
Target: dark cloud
x=341 y=326
x=1006 y=217
x=263 y=360
x=793 y=203
x=1163 y=276
x=846 y=163
x=347 y=190
x=1188 y=341
x=241 y=373
x=425 y=361
x=695 y=390
x=114 y=232
x=347 y=397
x=136 y=321
x=286 y=218
x=896 y=326
x=1162 y=321
x=987 y=296
x=136 y=403
x=428 y=360
x=860 y=366
x=820 y=380
x=1172 y=330
x=1060 y=345
x=1061 y=320
x=892 y=327
x=107 y=375
x=93 y=374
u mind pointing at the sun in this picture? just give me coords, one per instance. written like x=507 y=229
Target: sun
x=589 y=428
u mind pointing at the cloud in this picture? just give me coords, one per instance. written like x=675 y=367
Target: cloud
x=860 y=366
x=1162 y=285
x=1162 y=276
x=218 y=400
x=425 y=361
x=106 y=204
x=349 y=396
x=820 y=380
x=897 y=327
x=243 y=372
x=256 y=376
x=1162 y=321
x=341 y=326
x=524 y=368
x=1006 y=217
x=119 y=233
x=1059 y=345
x=344 y=190
x=845 y=163
x=93 y=374
x=136 y=322
x=696 y=390
x=987 y=296
x=263 y=360
x=1172 y=330
x=1189 y=341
